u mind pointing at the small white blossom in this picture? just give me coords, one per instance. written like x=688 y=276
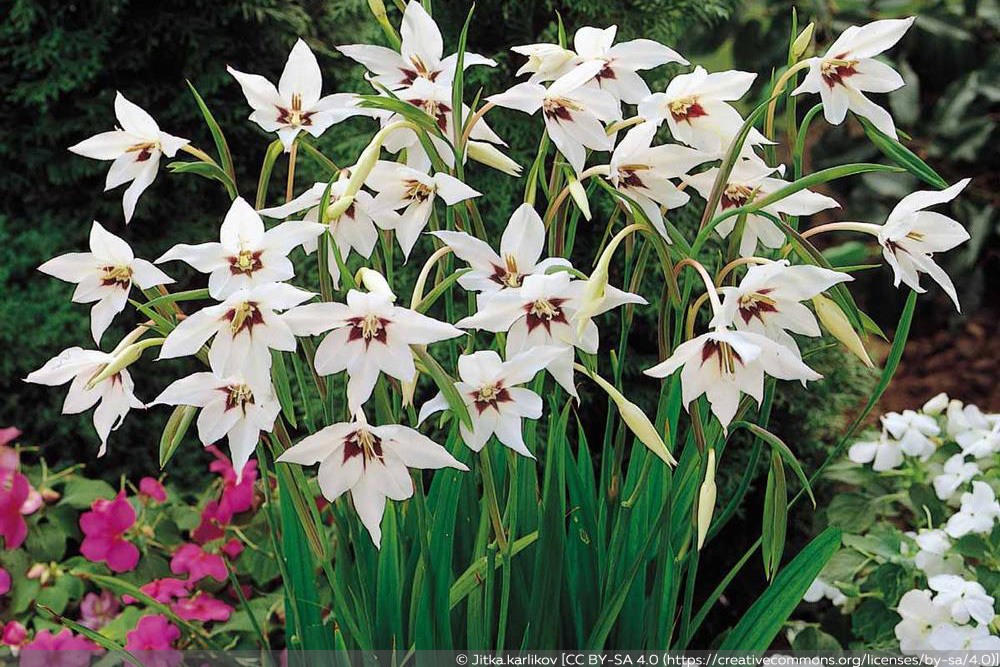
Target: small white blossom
x=369 y=461
x=920 y=618
x=246 y=327
x=369 y=335
x=114 y=395
x=412 y=193
x=884 y=453
x=978 y=513
x=848 y=70
x=911 y=236
x=748 y=182
x=955 y=475
x=913 y=431
x=135 y=147
x=105 y=276
x=246 y=255
x=237 y=408
x=521 y=247
x=489 y=388
x=935 y=555
x=820 y=588
x=697 y=110
x=963 y=599
x=296 y=104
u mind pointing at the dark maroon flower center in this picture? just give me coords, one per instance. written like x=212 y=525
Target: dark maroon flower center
x=723 y=353
x=490 y=396
x=543 y=312
x=836 y=69
x=756 y=305
x=368 y=328
x=246 y=262
x=245 y=316
x=365 y=444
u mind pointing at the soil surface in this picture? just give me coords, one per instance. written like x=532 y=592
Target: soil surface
x=962 y=361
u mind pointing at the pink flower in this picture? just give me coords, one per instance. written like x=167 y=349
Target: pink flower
x=202 y=607
x=73 y=646
x=162 y=590
x=212 y=521
x=103 y=528
x=14 y=490
x=198 y=564
x=97 y=610
x=154 y=633
x=32 y=502
x=232 y=548
x=235 y=497
x=14 y=634
x=152 y=488
x=4 y=581
x=9 y=434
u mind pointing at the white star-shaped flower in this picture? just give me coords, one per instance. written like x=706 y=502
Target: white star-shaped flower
x=104 y=276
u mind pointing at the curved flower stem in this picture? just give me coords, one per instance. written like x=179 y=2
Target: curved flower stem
x=198 y=153
x=553 y=209
x=863 y=227
x=473 y=119
x=490 y=490
x=290 y=186
x=779 y=86
x=709 y=285
x=725 y=271
x=425 y=271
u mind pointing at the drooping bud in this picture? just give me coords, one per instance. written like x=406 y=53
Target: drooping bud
x=636 y=420
x=122 y=360
x=491 y=156
x=803 y=42
x=836 y=323
x=706 y=499
x=579 y=195
x=373 y=281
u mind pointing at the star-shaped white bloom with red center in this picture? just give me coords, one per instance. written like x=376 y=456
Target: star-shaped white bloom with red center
x=369 y=461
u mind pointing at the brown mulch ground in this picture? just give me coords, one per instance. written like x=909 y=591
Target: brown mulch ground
x=963 y=362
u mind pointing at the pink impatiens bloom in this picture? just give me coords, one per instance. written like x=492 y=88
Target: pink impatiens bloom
x=14 y=491
x=164 y=590
x=202 y=607
x=152 y=633
x=104 y=528
x=151 y=488
x=232 y=548
x=9 y=434
x=72 y=650
x=97 y=610
x=236 y=496
x=213 y=518
x=190 y=559
x=4 y=581
x=14 y=635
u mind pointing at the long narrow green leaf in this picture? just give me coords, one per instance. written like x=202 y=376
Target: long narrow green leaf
x=902 y=155
x=445 y=384
x=225 y=156
x=761 y=623
x=473 y=577
x=778 y=445
x=205 y=170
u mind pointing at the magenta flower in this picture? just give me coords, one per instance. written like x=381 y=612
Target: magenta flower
x=197 y=564
x=71 y=647
x=151 y=488
x=232 y=548
x=236 y=497
x=14 y=634
x=98 y=609
x=212 y=521
x=202 y=607
x=154 y=633
x=14 y=491
x=104 y=528
x=164 y=590
x=8 y=435
x=4 y=581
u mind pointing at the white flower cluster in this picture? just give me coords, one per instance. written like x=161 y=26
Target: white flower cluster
x=543 y=306
x=953 y=611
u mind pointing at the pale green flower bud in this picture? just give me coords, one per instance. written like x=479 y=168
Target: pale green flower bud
x=373 y=281
x=836 y=323
x=706 y=499
x=803 y=41
x=579 y=195
x=492 y=156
